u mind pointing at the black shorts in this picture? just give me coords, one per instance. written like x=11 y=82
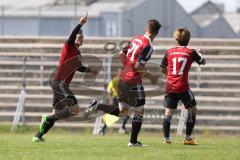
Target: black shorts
x=131 y=94
x=171 y=99
x=62 y=95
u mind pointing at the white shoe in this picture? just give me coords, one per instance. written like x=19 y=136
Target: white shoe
x=91 y=108
x=167 y=141
x=138 y=144
x=122 y=131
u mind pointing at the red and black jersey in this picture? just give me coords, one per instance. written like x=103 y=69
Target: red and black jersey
x=178 y=62
x=69 y=63
x=70 y=60
x=139 y=50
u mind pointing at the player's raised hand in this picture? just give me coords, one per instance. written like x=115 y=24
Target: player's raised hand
x=83 y=20
x=201 y=54
x=199 y=51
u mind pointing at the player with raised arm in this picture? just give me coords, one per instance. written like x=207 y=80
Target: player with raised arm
x=176 y=65
x=131 y=92
x=65 y=104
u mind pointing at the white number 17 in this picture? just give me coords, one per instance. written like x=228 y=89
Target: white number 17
x=180 y=59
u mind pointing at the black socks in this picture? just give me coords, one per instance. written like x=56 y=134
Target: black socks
x=124 y=122
x=110 y=109
x=136 y=127
x=166 y=126
x=50 y=120
x=190 y=123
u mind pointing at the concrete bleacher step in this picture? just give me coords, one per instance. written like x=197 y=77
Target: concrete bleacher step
x=214 y=82
x=118 y=40
x=157 y=100
x=48 y=48
x=205 y=75
x=52 y=64
x=149 y=108
x=47 y=56
x=154 y=120
x=99 y=48
x=205 y=101
x=37 y=80
x=82 y=90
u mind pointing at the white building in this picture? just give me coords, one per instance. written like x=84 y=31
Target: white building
x=106 y=18
x=214 y=22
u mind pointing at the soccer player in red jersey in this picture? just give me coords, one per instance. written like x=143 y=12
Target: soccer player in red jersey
x=176 y=65
x=65 y=104
x=131 y=92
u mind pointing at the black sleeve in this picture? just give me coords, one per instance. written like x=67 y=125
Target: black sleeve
x=164 y=62
x=198 y=58
x=145 y=55
x=82 y=69
x=72 y=36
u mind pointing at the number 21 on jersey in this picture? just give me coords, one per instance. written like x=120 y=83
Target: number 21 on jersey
x=133 y=50
x=183 y=62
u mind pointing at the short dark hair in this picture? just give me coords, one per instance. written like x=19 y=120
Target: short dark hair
x=153 y=26
x=182 y=36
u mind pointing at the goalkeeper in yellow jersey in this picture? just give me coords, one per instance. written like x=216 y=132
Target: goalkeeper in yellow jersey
x=108 y=119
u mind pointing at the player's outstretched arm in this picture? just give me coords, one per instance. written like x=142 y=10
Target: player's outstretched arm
x=76 y=30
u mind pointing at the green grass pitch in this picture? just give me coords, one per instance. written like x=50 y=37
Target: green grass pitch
x=82 y=146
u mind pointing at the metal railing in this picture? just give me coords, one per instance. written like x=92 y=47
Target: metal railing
x=20 y=109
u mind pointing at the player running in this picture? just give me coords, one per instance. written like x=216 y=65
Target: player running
x=131 y=92
x=65 y=104
x=176 y=65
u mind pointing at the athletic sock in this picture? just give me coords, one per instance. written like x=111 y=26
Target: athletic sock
x=39 y=134
x=110 y=109
x=188 y=137
x=166 y=126
x=63 y=114
x=136 y=127
x=190 y=124
x=46 y=126
x=104 y=127
x=124 y=122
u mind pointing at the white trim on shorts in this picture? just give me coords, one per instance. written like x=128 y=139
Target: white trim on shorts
x=139 y=91
x=191 y=94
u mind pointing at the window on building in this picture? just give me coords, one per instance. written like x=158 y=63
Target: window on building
x=111 y=28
